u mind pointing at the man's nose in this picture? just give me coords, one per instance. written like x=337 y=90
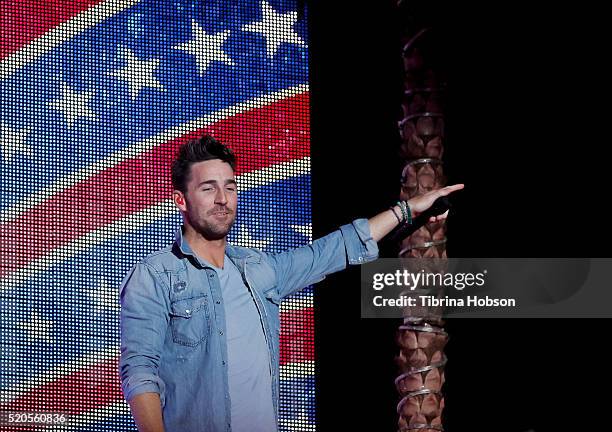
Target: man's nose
x=221 y=197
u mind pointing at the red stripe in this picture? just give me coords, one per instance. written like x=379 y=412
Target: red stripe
x=81 y=391
x=297 y=336
x=272 y=134
x=98 y=385
x=25 y=20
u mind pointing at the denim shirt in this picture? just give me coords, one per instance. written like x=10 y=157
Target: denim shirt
x=173 y=320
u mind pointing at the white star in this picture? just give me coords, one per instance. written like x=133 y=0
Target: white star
x=205 y=47
x=276 y=28
x=244 y=239
x=137 y=73
x=105 y=298
x=74 y=105
x=12 y=142
x=305 y=230
x=37 y=328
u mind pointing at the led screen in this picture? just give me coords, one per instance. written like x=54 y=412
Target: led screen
x=96 y=97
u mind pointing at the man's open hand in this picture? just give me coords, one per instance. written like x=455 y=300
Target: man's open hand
x=420 y=203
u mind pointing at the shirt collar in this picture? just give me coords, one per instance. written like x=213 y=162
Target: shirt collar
x=237 y=252
x=182 y=244
x=234 y=252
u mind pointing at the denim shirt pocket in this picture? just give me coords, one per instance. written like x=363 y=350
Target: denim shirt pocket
x=190 y=321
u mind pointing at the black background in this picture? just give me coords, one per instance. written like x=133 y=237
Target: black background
x=527 y=132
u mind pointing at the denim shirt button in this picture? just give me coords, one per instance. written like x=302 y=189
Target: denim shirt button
x=221 y=332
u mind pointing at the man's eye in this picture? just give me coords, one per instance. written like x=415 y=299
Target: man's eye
x=231 y=189
x=207 y=189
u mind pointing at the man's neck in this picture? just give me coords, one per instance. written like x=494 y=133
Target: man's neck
x=213 y=251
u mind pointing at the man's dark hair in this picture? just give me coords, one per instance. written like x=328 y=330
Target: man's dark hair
x=198 y=150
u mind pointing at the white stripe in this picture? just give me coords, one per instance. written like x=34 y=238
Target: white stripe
x=290 y=371
x=60 y=34
x=140 y=147
x=140 y=219
x=292 y=304
x=297 y=370
x=9 y=394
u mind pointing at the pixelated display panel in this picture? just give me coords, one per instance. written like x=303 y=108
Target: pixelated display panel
x=96 y=97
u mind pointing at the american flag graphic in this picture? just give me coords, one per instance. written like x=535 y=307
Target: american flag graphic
x=96 y=97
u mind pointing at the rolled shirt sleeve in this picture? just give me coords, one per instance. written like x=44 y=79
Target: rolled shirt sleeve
x=138 y=383
x=358 y=241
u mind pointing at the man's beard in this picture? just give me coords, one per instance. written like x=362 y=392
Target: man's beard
x=211 y=230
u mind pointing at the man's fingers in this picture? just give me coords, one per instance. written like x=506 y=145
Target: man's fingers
x=423 y=202
x=448 y=189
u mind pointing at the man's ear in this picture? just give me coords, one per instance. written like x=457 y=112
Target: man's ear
x=179 y=200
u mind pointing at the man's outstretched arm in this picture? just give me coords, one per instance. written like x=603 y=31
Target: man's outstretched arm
x=147 y=412
x=354 y=243
x=383 y=223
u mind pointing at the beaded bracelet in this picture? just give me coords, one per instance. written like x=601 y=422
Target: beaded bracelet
x=409 y=212
x=403 y=210
x=395 y=213
x=406 y=213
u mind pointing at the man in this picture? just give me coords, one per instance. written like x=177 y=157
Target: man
x=200 y=318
